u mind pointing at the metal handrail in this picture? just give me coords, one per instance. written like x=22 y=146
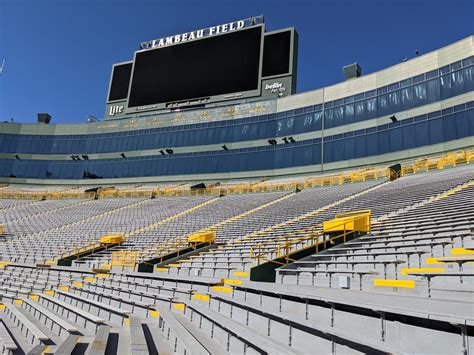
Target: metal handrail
x=286 y=242
x=268 y=241
x=77 y=250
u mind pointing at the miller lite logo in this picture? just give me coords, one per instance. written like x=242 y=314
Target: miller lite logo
x=114 y=110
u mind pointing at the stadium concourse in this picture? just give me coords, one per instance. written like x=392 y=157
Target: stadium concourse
x=275 y=267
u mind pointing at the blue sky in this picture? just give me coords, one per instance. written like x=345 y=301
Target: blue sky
x=59 y=52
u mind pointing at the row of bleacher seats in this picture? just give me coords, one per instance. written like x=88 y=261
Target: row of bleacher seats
x=409 y=240
x=129 y=215
x=176 y=314
x=207 y=304
x=381 y=199
x=219 y=210
x=51 y=234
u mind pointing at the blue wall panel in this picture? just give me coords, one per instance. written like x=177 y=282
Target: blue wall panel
x=421 y=131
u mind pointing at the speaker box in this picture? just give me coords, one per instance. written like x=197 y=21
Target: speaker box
x=352 y=71
x=201 y=185
x=44 y=118
x=395 y=171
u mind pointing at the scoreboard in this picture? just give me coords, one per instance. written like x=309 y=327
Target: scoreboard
x=221 y=65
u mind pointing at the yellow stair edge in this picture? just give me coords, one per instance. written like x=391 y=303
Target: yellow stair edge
x=406 y=270
x=394 y=283
x=231 y=282
x=103 y=276
x=433 y=261
x=452 y=259
x=224 y=289
x=179 y=306
x=4 y=263
x=461 y=251
x=201 y=297
x=154 y=314
x=241 y=273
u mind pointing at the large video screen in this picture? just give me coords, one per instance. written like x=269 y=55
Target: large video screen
x=120 y=81
x=211 y=66
x=276 y=53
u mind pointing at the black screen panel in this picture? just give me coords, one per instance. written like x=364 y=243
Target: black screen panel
x=212 y=66
x=276 y=54
x=120 y=82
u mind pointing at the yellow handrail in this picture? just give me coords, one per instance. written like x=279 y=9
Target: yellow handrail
x=78 y=250
x=283 y=248
x=299 y=231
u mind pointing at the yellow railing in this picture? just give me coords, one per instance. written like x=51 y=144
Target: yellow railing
x=45 y=195
x=465 y=156
x=283 y=247
x=261 y=251
x=229 y=190
x=440 y=162
x=124 y=258
x=124 y=193
x=79 y=250
x=164 y=249
x=105 y=241
x=350 y=177
x=169 y=246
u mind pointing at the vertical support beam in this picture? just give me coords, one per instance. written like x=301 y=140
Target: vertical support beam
x=382 y=326
x=306 y=310
x=465 y=339
x=290 y=334
x=332 y=314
